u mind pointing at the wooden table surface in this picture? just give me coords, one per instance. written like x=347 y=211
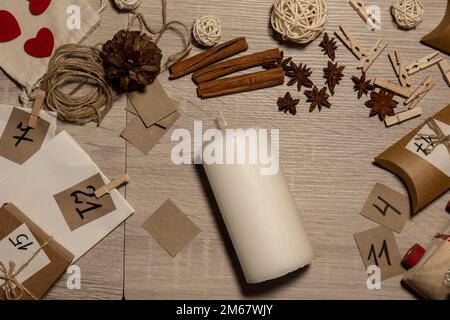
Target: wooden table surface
x=327 y=158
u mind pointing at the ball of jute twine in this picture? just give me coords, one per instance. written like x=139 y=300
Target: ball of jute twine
x=207 y=30
x=408 y=13
x=82 y=67
x=299 y=21
x=127 y=4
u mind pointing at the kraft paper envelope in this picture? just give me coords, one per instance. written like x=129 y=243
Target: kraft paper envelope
x=426 y=176
x=45 y=186
x=9 y=160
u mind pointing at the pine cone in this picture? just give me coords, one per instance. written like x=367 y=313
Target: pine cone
x=132 y=60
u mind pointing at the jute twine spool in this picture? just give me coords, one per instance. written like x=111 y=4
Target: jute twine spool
x=79 y=66
x=127 y=4
x=207 y=30
x=299 y=21
x=408 y=13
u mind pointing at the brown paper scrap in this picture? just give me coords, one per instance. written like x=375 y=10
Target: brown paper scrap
x=387 y=207
x=19 y=142
x=164 y=123
x=80 y=206
x=143 y=138
x=171 y=228
x=378 y=247
x=152 y=105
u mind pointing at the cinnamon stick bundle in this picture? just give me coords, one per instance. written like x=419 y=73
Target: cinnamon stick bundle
x=241 y=83
x=238 y=64
x=207 y=57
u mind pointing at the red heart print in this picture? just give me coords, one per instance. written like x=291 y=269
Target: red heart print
x=42 y=45
x=9 y=27
x=38 y=7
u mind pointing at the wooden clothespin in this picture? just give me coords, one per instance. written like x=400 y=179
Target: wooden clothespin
x=350 y=43
x=401 y=91
x=360 y=8
x=423 y=63
x=37 y=106
x=113 y=184
x=445 y=69
x=371 y=56
x=402 y=116
x=400 y=69
x=420 y=92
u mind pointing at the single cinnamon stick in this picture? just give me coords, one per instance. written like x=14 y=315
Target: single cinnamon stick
x=237 y=64
x=241 y=83
x=207 y=57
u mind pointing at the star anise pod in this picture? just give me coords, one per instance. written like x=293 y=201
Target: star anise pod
x=382 y=103
x=333 y=73
x=300 y=74
x=287 y=103
x=317 y=98
x=283 y=63
x=328 y=46
x=362 y=86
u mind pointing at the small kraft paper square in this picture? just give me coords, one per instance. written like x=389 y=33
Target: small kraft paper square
x=152 y=105
x=171 y=228
x=440 y=157
x=143 y=138
x=18 y=141
x=378 y=247
x=80 y=206
x=39 y=260
x=387 y=207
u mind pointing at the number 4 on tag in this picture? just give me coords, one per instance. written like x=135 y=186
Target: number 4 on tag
x=387 y=207
x=80 y=206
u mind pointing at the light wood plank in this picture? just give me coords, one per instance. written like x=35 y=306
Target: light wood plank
x=327 y=158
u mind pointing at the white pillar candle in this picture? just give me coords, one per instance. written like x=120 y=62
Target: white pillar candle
x=258 y=210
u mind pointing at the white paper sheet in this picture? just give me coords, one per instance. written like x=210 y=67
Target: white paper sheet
x=60 y=164
x=7 y=166
x=440 y=158
x=19 y=246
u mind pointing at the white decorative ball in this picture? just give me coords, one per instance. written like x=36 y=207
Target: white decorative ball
x=207 y=30
x=408 y=13
x=299 y=21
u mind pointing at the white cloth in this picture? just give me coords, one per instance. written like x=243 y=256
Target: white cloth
x=25 y=69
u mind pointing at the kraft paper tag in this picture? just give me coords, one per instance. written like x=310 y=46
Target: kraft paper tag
x=80 y=206
x=18 y=247
x=143 y=138
x=387 y=207
x=378 y=247
x=440 y=158
x=171 y=228
x=152 y=105
x=19 y=142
